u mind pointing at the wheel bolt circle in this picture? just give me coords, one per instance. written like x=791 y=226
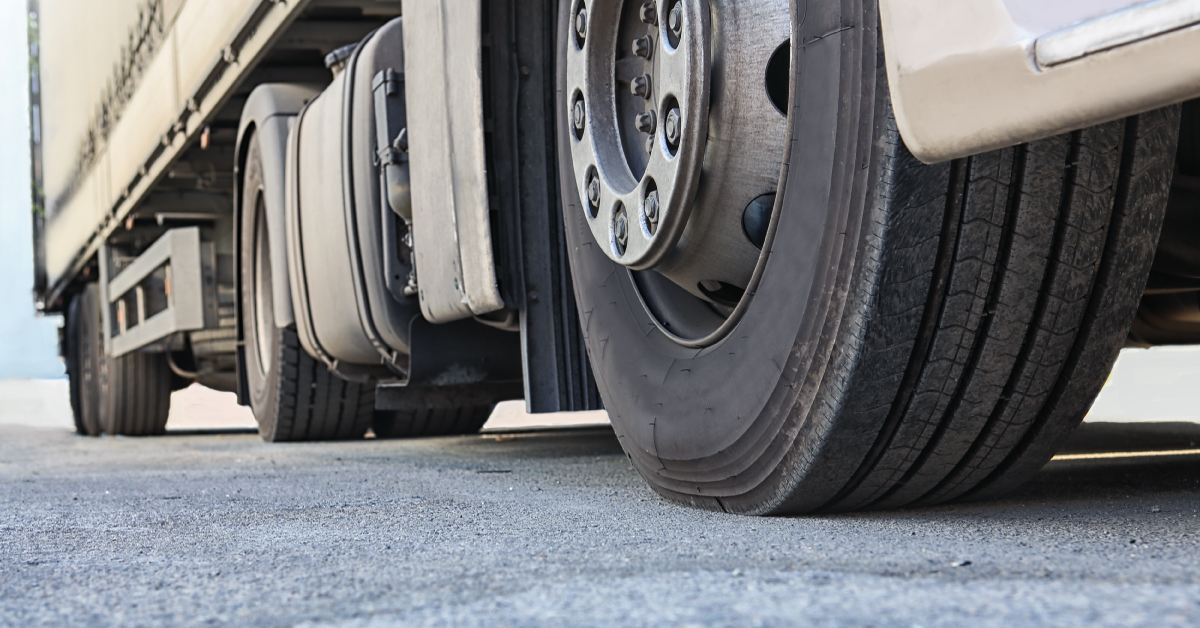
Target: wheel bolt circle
x=581 y=22
x=578 y=115
x=640 y=86
x=672 y=125
x=675 y=20
x=649 y=13
x=646 y=121
x=643 y=47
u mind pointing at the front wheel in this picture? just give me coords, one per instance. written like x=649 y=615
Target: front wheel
x=864 y=330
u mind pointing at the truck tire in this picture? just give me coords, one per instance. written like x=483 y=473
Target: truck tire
x=82 y=336
x=294 y=397
x=911 y=334
x=128 y=395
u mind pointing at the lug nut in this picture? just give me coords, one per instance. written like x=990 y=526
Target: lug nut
x=675 y=19
x=646 y=121
x=640 y=86
x=643 y=47
x=672 y=126
x=578 y=115
x=652 y=210
x=593 y=190
x=581 y=22
x=649 y=13
x=621 y=229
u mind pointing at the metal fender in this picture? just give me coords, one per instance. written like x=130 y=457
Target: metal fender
x=270 y=111
x=452 y=238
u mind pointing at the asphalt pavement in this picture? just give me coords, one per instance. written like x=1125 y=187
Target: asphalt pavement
x=554 y=528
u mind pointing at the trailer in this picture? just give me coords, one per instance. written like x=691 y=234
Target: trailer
x=820 y=255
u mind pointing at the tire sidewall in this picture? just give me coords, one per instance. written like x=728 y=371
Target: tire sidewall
x=718 y=421
x=74 y=368
x=86 y=345
x=262 y=383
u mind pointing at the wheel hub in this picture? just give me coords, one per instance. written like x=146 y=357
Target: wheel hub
x=674 y=135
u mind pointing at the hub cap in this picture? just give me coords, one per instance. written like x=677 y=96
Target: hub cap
x=623 y=74
x=674 y=133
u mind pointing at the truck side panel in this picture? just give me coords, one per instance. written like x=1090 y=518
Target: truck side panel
x=207 y=49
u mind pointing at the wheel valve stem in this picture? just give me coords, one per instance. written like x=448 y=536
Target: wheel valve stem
x=621 y=229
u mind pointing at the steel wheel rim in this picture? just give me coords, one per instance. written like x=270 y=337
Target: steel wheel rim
x=695 y=238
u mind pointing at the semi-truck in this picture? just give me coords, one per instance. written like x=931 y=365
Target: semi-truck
x=809 y=255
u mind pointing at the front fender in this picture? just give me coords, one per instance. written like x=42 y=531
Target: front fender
x=967 y=76
x=269 y=113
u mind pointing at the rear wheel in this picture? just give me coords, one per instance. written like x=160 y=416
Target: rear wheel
x=129 y=395
x=908 y=333
x=293 y=396
x=83 y=338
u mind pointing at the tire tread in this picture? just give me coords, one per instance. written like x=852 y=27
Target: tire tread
x=1026 y=322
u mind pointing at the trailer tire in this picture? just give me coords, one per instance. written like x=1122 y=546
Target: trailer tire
x=294 y=396
x=82 y=335
x=916 y=334
x=129 y=395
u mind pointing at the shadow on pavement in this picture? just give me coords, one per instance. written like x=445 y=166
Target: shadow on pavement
x=1120 y=461
x=1111 y=462
x=215 y=431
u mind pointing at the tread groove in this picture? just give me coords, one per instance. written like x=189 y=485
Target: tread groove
x=995 y=288
x=1128 y=149
x=1031 y=335
x=956 y=198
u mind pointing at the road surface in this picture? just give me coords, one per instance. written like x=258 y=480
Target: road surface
x=554 y=528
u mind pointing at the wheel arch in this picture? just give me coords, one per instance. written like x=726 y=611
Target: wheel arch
x=268 y=113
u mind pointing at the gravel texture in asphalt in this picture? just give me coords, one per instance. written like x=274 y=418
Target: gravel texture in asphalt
x=556 y=529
